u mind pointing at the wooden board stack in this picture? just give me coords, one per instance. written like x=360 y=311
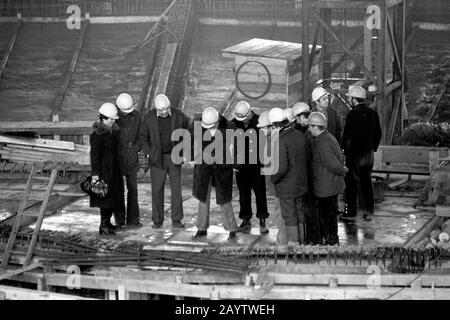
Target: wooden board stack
x=24 y=150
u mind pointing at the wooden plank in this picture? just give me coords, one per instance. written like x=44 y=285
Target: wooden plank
x=48 y=127
x=13 y=293
x=57 y=104
x=10 y=47
x=258 y=77
x=269 y=96
x=64 y=145
x=166 y=68
x=41 y=216
x=275 y=66
x=16 y=224
x=405 y=155
x=10 y=273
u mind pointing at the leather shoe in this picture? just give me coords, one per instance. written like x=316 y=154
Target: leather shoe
x=134 y=225
x=177 y=225
x=232 y=235
x=262 y=226
x=157 y=225
x=367 y=217
x=199 y=234
x=245 y=226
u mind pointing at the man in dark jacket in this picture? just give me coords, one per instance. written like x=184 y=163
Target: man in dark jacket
x=321 y=98
x=212 y=169
x=362 y=135
x=129 y=123
x=291 y=180
x=105 y=167
x=155 y=139
x=328 y=172
x=248 y=177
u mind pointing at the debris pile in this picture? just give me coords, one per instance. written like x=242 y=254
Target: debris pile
x=427 y=134
x=438 y=238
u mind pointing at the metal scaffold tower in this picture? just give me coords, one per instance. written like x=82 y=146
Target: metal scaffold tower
x=371 y=56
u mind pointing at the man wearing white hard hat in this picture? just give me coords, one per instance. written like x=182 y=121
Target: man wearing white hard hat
x=328 y=171
x=212 y=173
x=105 y=167
x=155 y=138
x=249 y=177
x=362 y=136
x=129 y=123
x=300 y=112
x=321 y=99
x=291 y=180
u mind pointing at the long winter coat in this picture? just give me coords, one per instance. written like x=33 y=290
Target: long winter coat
x=105 y=164
x=362 y=132
x=150 y=138
x=221 y=174
x=327 y=166
x=128 y=144
x=291 y=180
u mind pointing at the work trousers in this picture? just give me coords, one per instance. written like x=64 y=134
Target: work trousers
x=311 y=219
x=226 y=210
x=132 y=198
x=249 y=178
x=359 y=179
x=158 y=180
x=292 y=211
x=328 y=219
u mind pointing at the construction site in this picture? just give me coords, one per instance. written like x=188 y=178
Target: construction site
x=60 y=60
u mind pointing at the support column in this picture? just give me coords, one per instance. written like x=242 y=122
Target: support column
x=306 y=5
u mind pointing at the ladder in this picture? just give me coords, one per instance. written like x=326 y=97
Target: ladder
x=21 y=213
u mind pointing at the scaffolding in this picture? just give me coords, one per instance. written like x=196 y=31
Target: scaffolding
x=371 y=53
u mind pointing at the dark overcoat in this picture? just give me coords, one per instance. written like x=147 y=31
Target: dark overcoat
x=362 y=132
x=105 y=165
x=150 y=138
x=221 y=174
x=328 y=169
x=291 y=180
x=128 y=143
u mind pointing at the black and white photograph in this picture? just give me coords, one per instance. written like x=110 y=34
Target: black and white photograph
x=218 y=158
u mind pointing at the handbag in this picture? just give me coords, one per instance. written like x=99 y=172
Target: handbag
x=98 y=189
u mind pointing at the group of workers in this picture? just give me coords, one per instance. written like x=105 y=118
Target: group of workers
x=315 y=163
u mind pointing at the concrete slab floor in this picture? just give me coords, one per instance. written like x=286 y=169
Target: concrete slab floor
x=394 y=222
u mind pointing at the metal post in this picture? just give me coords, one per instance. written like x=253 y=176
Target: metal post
x=306 y=7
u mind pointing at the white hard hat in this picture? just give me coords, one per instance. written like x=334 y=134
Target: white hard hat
x=161 y=102
x=209 y=117
x=289 y=114
x=317 y=119
x=125 y=103
x=299 y=107
x=356 y=92
x=263 y=120
x=241 y=110
x=276 y=115
x=108 y=110
x=318 y=93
